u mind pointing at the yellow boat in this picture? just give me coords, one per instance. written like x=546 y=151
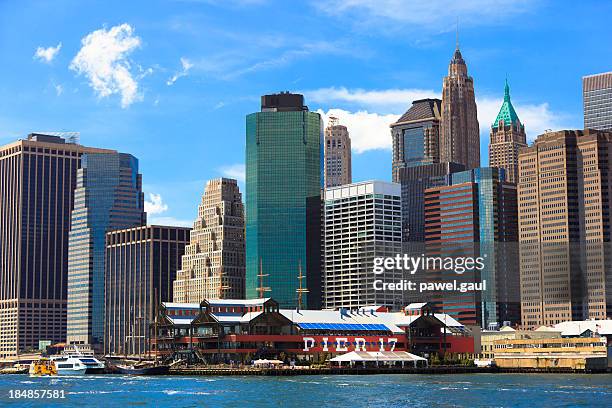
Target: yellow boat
x=43 y=368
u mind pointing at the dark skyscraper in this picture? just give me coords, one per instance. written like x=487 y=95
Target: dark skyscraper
x=414 y=181
x=459 y=130
x=38 y=177
x=416 y=136
x=283 y=200
x=108 y=197
x=141 y=265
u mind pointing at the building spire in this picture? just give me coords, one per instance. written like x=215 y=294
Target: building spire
x=507 y=91
x=457 y=34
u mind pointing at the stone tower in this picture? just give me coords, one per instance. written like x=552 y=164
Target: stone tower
x=459 y=131
x=213 y=266
x=507 y=138
x=337 y=154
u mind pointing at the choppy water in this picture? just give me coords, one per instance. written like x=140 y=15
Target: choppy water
x=469 y=390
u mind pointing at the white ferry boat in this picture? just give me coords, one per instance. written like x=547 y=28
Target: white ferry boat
x=77 y=361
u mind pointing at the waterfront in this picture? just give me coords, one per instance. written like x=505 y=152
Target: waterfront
x=463 y=390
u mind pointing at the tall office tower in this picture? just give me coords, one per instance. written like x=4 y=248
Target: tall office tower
x=565 y=196
x=108 y=196
x=337 y=156
x=414 y=181
x=416 y=136
x=213 y=266
x=283 y=200
x=597 y=100
x=459 y=131
x=507 y=138
x=141 y=264
x=37 y=181
x=363 y=221
x=476 y=216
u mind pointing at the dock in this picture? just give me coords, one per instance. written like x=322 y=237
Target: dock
x=288 y=371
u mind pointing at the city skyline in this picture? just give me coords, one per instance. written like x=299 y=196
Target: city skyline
x=178 y=89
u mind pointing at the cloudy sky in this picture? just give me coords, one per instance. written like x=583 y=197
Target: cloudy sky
x=172 y=81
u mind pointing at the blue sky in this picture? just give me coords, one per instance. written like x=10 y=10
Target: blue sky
x=172 y=81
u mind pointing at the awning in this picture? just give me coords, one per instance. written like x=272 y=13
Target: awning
x=267 y=362
x=382 y=356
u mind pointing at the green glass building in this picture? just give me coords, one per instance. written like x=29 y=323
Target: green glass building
x=283 y=201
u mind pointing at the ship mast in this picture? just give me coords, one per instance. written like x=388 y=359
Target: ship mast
x=301 y=289
x=261 y=288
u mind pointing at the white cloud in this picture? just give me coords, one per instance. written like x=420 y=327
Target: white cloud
x=368 y=131
x=169 y=221
x=235 y=171
x=155 y=204
x=59 y=89
x=103 y=59
x=186 y=66
x=47 y=54
x=387 y=100
x=429 y=15
x=371 y=113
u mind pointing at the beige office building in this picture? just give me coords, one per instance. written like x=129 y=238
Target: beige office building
x=507 y=138
x=337 y=154
x=565 y=197
x=213 y=266
x=37 y=181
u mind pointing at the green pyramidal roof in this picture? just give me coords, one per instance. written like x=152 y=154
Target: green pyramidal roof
x=507 y=112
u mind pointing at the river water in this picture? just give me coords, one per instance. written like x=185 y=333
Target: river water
x=457 y=390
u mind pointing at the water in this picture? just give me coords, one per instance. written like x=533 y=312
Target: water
x=468 y=390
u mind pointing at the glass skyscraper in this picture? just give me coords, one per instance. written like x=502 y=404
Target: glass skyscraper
x=597 y=100
x=283 y=201
x=108 y=197
x=476 y=215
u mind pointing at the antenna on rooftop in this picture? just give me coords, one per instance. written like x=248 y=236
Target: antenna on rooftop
x=457 y=33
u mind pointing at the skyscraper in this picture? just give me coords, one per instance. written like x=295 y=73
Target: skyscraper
x=459 y=131
x=416 y=136
x=362 y=221
x=37 y=181
x=337 y=155
x=507 y=138
x=213 y=266
x=108 y=196
x=565 y=227
x=476 y=216
x=283 y=200
x=597 y=100
x=141 y=264
x=414 y=181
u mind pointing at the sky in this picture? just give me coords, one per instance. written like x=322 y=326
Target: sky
x=172 y=81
